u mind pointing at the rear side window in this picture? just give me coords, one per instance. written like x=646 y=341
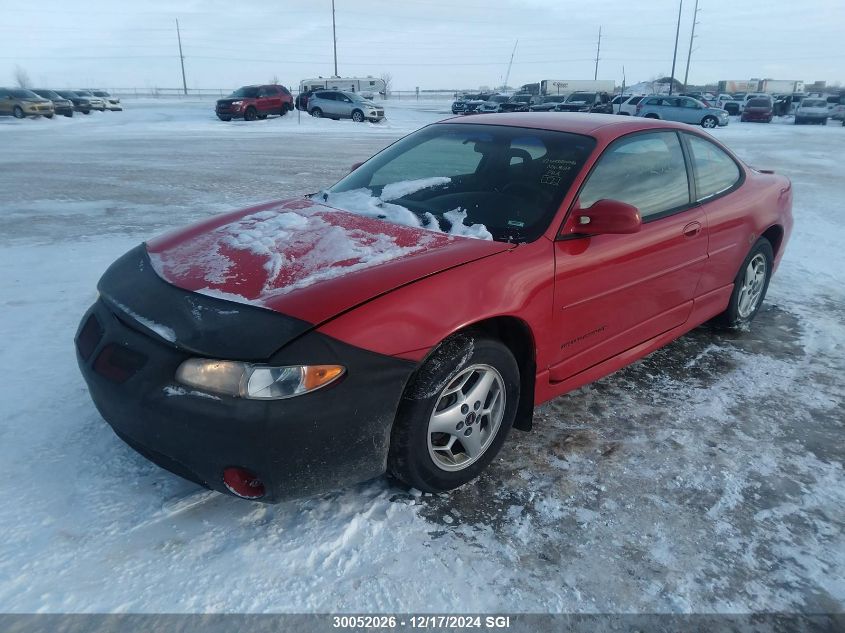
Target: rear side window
x=715 y=171
x=645 y=170
x=634 y=100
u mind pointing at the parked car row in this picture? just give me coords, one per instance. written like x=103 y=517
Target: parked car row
x=258 y=102
x=21 y=102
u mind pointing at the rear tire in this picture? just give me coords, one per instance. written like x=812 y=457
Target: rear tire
x=69 y=114
x=48 y=116
x=484 y=406
x=709 y=122
x=651 y=115
x=749 y=287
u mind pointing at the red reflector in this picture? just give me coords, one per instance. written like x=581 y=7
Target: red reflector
x=243 y=483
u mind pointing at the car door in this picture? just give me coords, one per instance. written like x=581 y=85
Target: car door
x=613 y=292
x=344 y=105
x=690 y=110
x=329 y=103
x=6 y=104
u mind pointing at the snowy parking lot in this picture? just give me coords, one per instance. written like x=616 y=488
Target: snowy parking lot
x=707 y=477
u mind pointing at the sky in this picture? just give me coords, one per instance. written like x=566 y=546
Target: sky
x=433 y=44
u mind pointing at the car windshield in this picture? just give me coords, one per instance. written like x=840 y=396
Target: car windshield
x=19 y=93
x=581 y=97
x=84 y=93
x=498 y=99
x=100 y=93
x=759 y=103
x=554 y=99
x=490 y=182
x=47 y=94
x=813 y=103
x=248 y=92
x=354 y=96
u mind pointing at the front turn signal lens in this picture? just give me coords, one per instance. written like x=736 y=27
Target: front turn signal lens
x=316 y=376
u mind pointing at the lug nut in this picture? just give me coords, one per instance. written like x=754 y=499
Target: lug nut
x=464 y=409
x=476 y=405
x=468 y=431
x=459 y=426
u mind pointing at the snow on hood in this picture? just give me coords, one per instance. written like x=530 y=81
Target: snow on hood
x=300 y=257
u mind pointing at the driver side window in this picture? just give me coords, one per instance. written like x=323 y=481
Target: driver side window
x=644 y=170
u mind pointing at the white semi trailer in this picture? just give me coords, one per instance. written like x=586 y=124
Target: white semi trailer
x=566 y=86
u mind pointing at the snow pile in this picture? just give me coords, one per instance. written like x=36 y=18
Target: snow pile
x=363 y=202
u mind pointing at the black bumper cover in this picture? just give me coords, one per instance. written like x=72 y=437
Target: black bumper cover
x=298 y=447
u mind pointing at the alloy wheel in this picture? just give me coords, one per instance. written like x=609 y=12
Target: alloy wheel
x=466 y=417
x=753 y=283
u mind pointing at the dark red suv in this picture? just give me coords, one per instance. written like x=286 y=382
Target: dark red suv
x=255 y=102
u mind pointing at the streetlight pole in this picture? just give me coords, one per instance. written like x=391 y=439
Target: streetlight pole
x=334 y=39
x=181 y=58
x=598 y=50
x=691 y=38
x=675 y=54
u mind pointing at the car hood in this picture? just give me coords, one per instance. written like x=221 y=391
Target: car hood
x=304 y=259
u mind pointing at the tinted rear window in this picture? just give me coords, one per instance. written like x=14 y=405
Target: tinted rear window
x=759 y=103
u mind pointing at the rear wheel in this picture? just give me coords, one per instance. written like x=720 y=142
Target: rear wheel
x=251 y=114
x=317 y=113
x=262 y=116
x=357 y=116
x=69 y=114
x=651 y=115
x=750 y=286
x=455 y=414
x=48 y=116
x=285 y=108
x=18 y=112
x=709 y=122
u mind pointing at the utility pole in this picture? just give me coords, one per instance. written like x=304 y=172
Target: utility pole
x=623 y=79
x=181 y=58
x=598 y=49
x=508 y=74
x=675 y=54
x=334 y=39
x=691 y=38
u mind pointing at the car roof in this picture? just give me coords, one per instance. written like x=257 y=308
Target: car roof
x=600 y=126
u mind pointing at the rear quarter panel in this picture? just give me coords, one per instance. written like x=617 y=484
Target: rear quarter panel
x=737 y=220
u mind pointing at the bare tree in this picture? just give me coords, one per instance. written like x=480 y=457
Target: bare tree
x=22 y=77
x=387 y=78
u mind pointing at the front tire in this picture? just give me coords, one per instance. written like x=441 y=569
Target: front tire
x=18 y=112
x=455 y=414
x=251 y=114
x=750 y=286
x=317 y=113
x=709 y=122
x=651 y=115
x=357 y=116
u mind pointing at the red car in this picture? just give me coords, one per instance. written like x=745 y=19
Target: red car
x=406 y=318
x=255 y=102
x=761 y=110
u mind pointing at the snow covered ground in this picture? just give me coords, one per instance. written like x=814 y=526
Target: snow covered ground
x=706 y=478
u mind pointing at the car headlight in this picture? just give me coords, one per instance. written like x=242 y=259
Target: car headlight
x=256 y=382
x=237 y=103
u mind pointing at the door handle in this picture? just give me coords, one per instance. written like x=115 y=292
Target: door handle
x=692 y=229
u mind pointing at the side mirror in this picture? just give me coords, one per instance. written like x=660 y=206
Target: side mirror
x=604 y=217
x=355 y=166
